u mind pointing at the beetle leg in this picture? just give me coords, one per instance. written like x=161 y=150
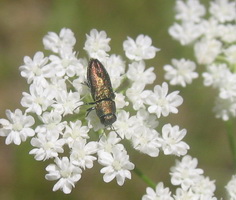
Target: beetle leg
x=89 y=110
x=90 y=103
x=113 y=129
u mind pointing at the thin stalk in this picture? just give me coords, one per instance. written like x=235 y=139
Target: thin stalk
x=232 y=141
x=144 y=177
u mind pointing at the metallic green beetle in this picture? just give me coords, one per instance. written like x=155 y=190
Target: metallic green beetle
x=101 y=89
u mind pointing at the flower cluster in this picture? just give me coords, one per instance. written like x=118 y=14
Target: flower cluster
x=54 y=115
x=213 y=39
x=230 y=187
x=192 y=184
x=181 y=72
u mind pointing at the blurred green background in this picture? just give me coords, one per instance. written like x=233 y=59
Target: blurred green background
x=23 y=23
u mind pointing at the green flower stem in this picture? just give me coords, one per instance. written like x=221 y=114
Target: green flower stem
x=221 y=59
x=144 y=178
x=232 y=141
x=234 y=68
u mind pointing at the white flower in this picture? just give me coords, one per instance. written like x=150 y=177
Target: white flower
x=81 y=73
x=215 y=75
x=162 y=103
x=48 y=145
x=56 y=86
x=192 y=10
x=57 y=43
x=17 y=128
x=185 y=173
x=186 y=32
x=211 y=28
x=108 y=142
x=145 y=119
x=181 y=73
x=137 y=73
x=66 y=172
x=93 y=121
x=81 y=153
x=67 y=102
x=115 y=67
x=97 y=44
x=140 y=49
x=134 y=126
x=159 y=193
x=134 y=93
x=227 y=90
x=146 y=141
x=230 y=54
x=124 y=124
x=66 y=64
x=120 y=101
x=223 y=10
x=38 y=100
x=52 y=122
x=36 y=68
x=227 y=33
x=117 y=165
x=182 y=194
x=230 y=188
x=80 y=87
x=206 y=50
x=172 y=140
x=225 y=108
x=75 y=132
x=204 y=187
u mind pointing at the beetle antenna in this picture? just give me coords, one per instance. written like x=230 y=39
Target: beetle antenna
x=113 y=129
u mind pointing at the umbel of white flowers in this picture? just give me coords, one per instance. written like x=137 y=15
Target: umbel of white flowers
x=57 y=91
x=211 y=33
x=55 y=98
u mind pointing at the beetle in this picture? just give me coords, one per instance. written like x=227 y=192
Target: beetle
x=102 y=93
